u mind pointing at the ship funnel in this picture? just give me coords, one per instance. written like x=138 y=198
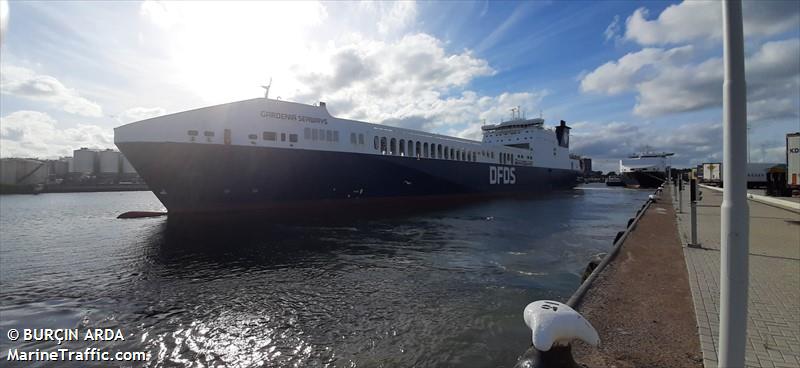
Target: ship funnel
x=562 y=134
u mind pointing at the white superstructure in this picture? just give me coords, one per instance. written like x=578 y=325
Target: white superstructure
x=645 y=162
x=263 y=122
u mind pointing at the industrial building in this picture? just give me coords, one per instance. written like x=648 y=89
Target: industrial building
x=84 y=161
x=100 y=162
x=586 y=166
x=22 y=172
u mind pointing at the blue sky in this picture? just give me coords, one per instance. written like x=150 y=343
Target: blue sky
x=626 y=75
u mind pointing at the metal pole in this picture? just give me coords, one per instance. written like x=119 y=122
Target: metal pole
x=735 y=225
x=675 y=187
x=680 y=193
x=693 y=199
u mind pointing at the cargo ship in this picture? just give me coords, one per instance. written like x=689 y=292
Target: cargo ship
x=267 y=154
x=644 y=170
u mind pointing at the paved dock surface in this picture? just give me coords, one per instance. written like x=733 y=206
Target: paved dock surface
x=641 y=304
x=774 y=296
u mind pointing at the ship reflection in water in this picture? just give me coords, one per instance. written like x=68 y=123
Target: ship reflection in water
x=437 y=288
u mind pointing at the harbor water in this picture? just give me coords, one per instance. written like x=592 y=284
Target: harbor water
x=439 y=288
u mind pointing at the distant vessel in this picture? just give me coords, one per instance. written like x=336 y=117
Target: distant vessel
x=263 y=154
x=614 y=181
x=644 y=170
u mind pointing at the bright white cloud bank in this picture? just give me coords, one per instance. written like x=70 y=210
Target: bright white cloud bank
x=702 y=20
x=673 y=80
x=673 y=73
x=36 y=134
x=362 y=60
x=26 y=83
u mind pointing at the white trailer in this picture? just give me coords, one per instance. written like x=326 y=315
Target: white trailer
x=757 y=174
x=793 y=160
x=712 y=172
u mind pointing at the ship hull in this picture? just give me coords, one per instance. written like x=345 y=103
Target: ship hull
x=198 y=178
x=638 y=179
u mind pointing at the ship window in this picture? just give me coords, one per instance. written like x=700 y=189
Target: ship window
x=335 y=135
x=292 y=137
x=307 y=133
x=353 y=138
x=283 y=137
x=393 y=146
x=402 y=147
x=329 y=136
x=269 y=136
x=208 y=133
x=192 y=132
x=360 y=138
x=314 y=134
x=252 y=136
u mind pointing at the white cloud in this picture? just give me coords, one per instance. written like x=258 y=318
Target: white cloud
x=680 y=88
x=26 y=83
x=36 y=134
x=702 y=20
x=400 y=15
x=622 y=75
x=140 y=113
x=665 y=82
x=410 y=82
x=613 y=29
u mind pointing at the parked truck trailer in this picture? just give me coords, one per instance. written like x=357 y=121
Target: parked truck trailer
x=712 y=173
x=793 y=160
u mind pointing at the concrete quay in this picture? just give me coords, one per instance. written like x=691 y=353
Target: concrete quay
x=773 y=326
x=787 y=203
x=641 y=303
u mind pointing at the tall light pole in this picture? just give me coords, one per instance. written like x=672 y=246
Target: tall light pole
x=735 y=226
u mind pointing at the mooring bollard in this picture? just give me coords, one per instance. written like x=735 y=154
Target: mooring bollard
x=693 y=209
x=554 y=326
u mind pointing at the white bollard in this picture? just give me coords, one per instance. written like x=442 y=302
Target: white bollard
x=554 y=326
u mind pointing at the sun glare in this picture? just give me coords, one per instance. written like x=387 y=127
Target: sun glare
x=223 y=51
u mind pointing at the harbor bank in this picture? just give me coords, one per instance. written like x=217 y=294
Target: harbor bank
x=641 y=303
x=657 y=303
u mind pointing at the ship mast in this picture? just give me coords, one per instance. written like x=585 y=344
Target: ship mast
x=266 y=88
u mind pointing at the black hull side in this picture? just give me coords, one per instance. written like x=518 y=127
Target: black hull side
x=192 y=178
x=640 y=179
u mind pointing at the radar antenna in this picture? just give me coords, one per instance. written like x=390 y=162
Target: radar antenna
x=266 y=88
